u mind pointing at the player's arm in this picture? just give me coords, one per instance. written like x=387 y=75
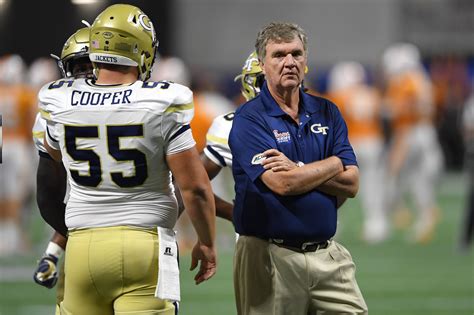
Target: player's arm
x=51 y=189
x=50 y=192
x=212 y=169
x=298 y=180
x=196 y=192
x=224 y=209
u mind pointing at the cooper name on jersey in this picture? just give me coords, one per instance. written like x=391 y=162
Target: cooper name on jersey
x=100 y=98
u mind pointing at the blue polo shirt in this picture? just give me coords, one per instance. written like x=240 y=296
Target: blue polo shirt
x=261 y=124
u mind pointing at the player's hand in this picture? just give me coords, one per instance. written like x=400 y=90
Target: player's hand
x=46 y=273
x=207 y=256
x=277 y=161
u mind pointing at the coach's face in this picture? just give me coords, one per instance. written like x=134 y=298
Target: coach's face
x=284 y=64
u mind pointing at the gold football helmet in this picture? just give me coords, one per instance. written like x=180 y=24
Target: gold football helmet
x=75 y=51
x=251 y=78
x=123 y=35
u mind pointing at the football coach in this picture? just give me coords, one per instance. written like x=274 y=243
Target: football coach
x=293 y=164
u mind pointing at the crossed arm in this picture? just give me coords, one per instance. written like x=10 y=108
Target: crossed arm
x=285 y=178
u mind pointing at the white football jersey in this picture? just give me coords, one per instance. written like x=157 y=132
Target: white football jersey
x=217 y=140
x=38 y=133
x=114 y=140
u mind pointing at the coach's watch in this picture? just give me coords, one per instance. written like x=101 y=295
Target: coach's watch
x=299 y=163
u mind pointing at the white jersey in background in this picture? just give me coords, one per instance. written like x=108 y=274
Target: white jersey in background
x=217 y=140
x=114 y=140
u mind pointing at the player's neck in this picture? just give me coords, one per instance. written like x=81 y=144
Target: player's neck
x=107 y=76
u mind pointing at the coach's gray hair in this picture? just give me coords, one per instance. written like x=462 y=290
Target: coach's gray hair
x=279 y=32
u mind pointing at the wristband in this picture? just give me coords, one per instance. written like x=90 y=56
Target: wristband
x=54 y=249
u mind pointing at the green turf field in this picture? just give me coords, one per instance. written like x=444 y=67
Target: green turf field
x=396 y=277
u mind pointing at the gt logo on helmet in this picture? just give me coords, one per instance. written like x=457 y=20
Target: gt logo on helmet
x=141 y=20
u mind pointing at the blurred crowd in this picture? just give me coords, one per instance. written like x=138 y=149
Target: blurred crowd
x=406 y=119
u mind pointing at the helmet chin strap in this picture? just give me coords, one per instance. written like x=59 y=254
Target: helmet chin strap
x=142 y=75
x=95 y=72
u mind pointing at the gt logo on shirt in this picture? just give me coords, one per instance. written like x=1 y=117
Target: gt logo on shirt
x=317 y=128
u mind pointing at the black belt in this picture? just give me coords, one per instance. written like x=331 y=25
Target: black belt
x=302 y=247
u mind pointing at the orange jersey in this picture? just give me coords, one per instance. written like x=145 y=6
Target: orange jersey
x=200 y=124
x=207 y=106
x=18 y=109
x=409 y=97
x=360 y=107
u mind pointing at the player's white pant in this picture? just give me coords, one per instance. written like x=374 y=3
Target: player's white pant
x=419 y=174
x=369 y=158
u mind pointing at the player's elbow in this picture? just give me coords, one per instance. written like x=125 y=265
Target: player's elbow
x=199 y=191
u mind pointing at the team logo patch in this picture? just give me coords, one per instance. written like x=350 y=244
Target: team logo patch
x=317 y=128
x=282 y=137
x=168 y=251
x=258 y=159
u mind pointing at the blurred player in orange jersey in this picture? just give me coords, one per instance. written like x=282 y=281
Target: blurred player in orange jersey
x=360 y=105
x=17 y=106
x=415 y=158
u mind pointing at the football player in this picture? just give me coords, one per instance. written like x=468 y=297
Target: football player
x=216 y=154
x=415 y=158
x=360 y=104
x=51 y=176
x=120 y=138
x=17 y=106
